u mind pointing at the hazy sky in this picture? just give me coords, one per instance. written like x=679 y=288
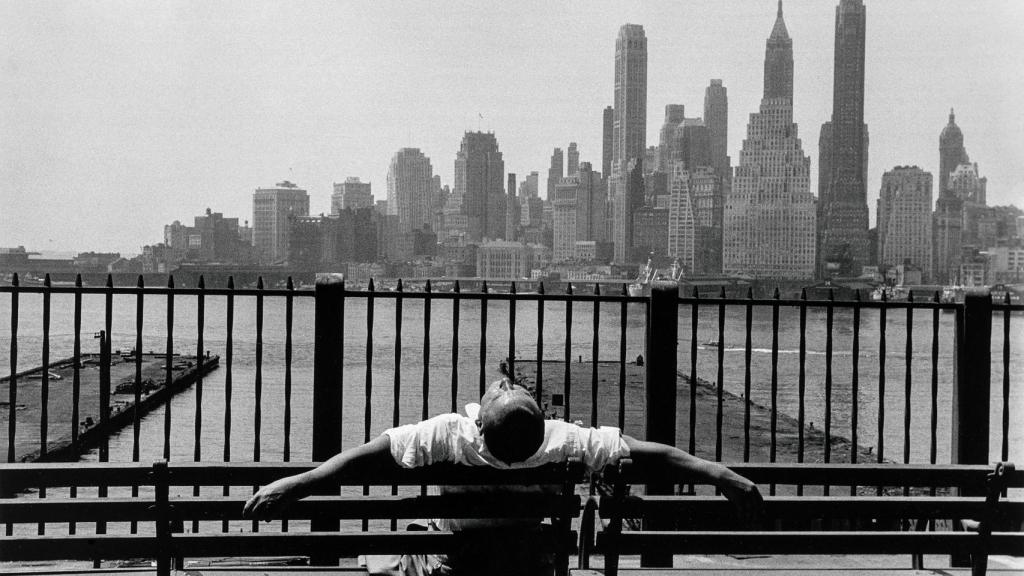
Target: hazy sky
x=119 y=117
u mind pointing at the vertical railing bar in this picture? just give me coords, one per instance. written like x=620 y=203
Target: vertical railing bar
x=44 y=390
x=258 y=385
x=567 y=380
x=228 y=364
x=137 y=385
x=773 y=443
x=197 y=443
x=425 y=412
x=136 y=408
x=933 y=445
x=512 y=332
x=539 y=384
x=855 y=384
x=105 y=347
x=623 y=312
x=169 y=366
x=395 y=413
x=829 y=319
x=289 y=306
x=596 y=353
x=747 y=401
x=694 y=321
x=720 y=379
x=455 y=348
x=76 y=382
x=257 y=423
x=881 y=383
x=483 y=337
x=802 y=384
x=368 y=385
x=1005 y=452
x=907 y=392
x=12 y=392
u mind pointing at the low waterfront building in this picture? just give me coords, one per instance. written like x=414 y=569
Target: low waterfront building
x=506 y=260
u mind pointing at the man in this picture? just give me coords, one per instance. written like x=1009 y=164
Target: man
x=506 y=430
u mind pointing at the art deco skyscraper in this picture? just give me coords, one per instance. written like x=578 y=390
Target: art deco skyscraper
x=843 y=153
x=905 y=219
x=778 y=61
x=479 y=182
x=716 y=118
x=769 y=228
x=674 y=116
x=629 y=131
x=555 y=171
x=410 y=189
x=607 y=131
x=951 y=152
x=572 y=158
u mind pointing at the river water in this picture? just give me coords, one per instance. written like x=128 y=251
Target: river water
x=439 y=362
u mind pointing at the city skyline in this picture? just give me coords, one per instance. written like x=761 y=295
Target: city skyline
x=177 y=131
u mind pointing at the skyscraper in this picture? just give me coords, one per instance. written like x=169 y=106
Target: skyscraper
x=352 y=193
x=629 y=132
x=905 y=219
x=843 y=153
x=951 y=207
x=951 y=152
x=674 y=116
x=778 y=61
x=480 y=183
x=769 y=221
x=512 y=209
x=271 y=210
x=410 y=189
x=555 y=172
x=607 y=132
x=572 y=160
x=716 y=118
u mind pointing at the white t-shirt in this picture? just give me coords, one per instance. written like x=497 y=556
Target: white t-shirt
x=455 y=438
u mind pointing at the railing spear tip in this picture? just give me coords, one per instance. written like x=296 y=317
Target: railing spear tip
x=290 y=284
x=140 y=283
x=540 y=287
x=259 y=282
x=78 y=280
x=46 y=280
x=170 y=280
x=14 y=279
x=110 y=280
x=231 y=282
x=369 y=285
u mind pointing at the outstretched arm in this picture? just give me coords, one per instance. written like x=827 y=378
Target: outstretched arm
x=657 y=458
x=270 y=499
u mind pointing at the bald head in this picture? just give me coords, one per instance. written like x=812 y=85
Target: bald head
x=511 y=422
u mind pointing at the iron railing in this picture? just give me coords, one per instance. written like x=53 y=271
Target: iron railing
x=658 y=316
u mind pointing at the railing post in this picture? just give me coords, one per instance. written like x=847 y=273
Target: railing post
x=327 y=382
x=163 y=516
x=972 y=389
x=662 y=335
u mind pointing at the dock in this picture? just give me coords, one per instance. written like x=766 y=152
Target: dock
x=91 y=431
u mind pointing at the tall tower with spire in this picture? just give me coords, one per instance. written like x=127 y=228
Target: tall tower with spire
x=951 y=152
x=843 y=153
x=769 y=228
x=778 y=61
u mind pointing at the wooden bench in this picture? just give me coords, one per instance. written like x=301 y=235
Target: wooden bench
x=161 y=517
x=832 y=521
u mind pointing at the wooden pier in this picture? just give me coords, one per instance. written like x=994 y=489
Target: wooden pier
x=61 y=425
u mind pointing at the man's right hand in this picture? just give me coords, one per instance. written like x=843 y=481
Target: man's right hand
x=270 y=500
